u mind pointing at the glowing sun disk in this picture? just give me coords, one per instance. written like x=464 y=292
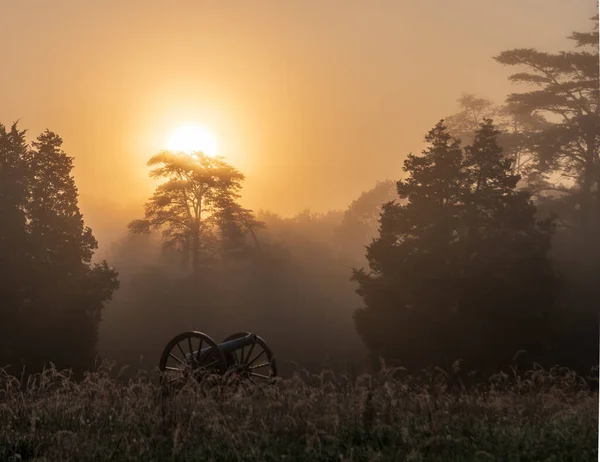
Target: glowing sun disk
x=193 y=138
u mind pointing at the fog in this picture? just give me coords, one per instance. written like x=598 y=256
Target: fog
x=301 y=95
x=317 y=104
x=295 y=293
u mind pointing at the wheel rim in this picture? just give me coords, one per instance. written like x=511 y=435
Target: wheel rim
x=187 y=356
x=255 y=362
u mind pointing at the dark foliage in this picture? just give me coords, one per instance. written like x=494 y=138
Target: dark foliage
x=565 y=175
x=51 y=294
x=461 y=270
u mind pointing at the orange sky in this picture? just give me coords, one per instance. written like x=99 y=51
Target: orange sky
x=313 y=100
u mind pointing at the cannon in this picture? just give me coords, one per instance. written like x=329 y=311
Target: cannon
x=197 y=354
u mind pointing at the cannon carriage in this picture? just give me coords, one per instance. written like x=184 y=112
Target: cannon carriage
x=196 y=354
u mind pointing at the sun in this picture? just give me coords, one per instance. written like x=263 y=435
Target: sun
x=193 y=138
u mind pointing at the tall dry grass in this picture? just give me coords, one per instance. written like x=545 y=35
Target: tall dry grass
x=541 y=415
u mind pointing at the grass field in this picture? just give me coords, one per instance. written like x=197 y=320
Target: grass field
x=390 y=416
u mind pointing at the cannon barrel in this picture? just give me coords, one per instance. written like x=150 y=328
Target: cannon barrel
x=235 y=344
x=227 y=347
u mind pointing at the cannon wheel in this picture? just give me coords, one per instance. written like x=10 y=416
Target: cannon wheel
x=255 y=361
x=173 y=362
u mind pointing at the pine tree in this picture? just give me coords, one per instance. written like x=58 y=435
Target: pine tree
x=567 y=147
x=460 y=270
x=68 y=291
x=14 y=253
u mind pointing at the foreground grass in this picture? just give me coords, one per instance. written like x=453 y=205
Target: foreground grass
x=545 y=416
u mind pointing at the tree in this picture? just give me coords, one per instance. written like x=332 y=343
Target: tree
x=460 y=264
x=55 y=224
x=516 y=126
x=361 y=219
x=234 y=222
x=48 y=285
x=14 y=253
x=198 y=199
x=472 y=111
x=68 y=292
x=566 y=96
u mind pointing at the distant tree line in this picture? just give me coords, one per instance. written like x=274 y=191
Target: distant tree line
x=199 y=260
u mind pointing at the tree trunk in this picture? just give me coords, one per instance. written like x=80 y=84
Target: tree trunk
x=196 y=248
x=594 y=165
x=588 y=211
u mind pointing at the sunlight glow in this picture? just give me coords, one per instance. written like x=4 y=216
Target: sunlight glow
x=190 y=138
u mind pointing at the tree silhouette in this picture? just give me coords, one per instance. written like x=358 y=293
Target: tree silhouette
x=198 y=199
x=472 y=111
x=57 y=295
x=68 y=291
x=361 y=219
x=460 y=270
x=55 y=223
x=233 y=222
x=14 y=252
x=516 y=125
x=567 y=96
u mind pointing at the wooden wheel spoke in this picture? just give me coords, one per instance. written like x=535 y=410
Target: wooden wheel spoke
x=181 y=350
x=176 y=358
x=258 y=356
x=258 y=366
x=249 y=354
x=189 y=339
x=260 y=375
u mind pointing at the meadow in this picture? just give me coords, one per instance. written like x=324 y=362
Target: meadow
x=537 y=415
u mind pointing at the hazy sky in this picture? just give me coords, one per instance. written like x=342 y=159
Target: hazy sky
x=313 y=100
